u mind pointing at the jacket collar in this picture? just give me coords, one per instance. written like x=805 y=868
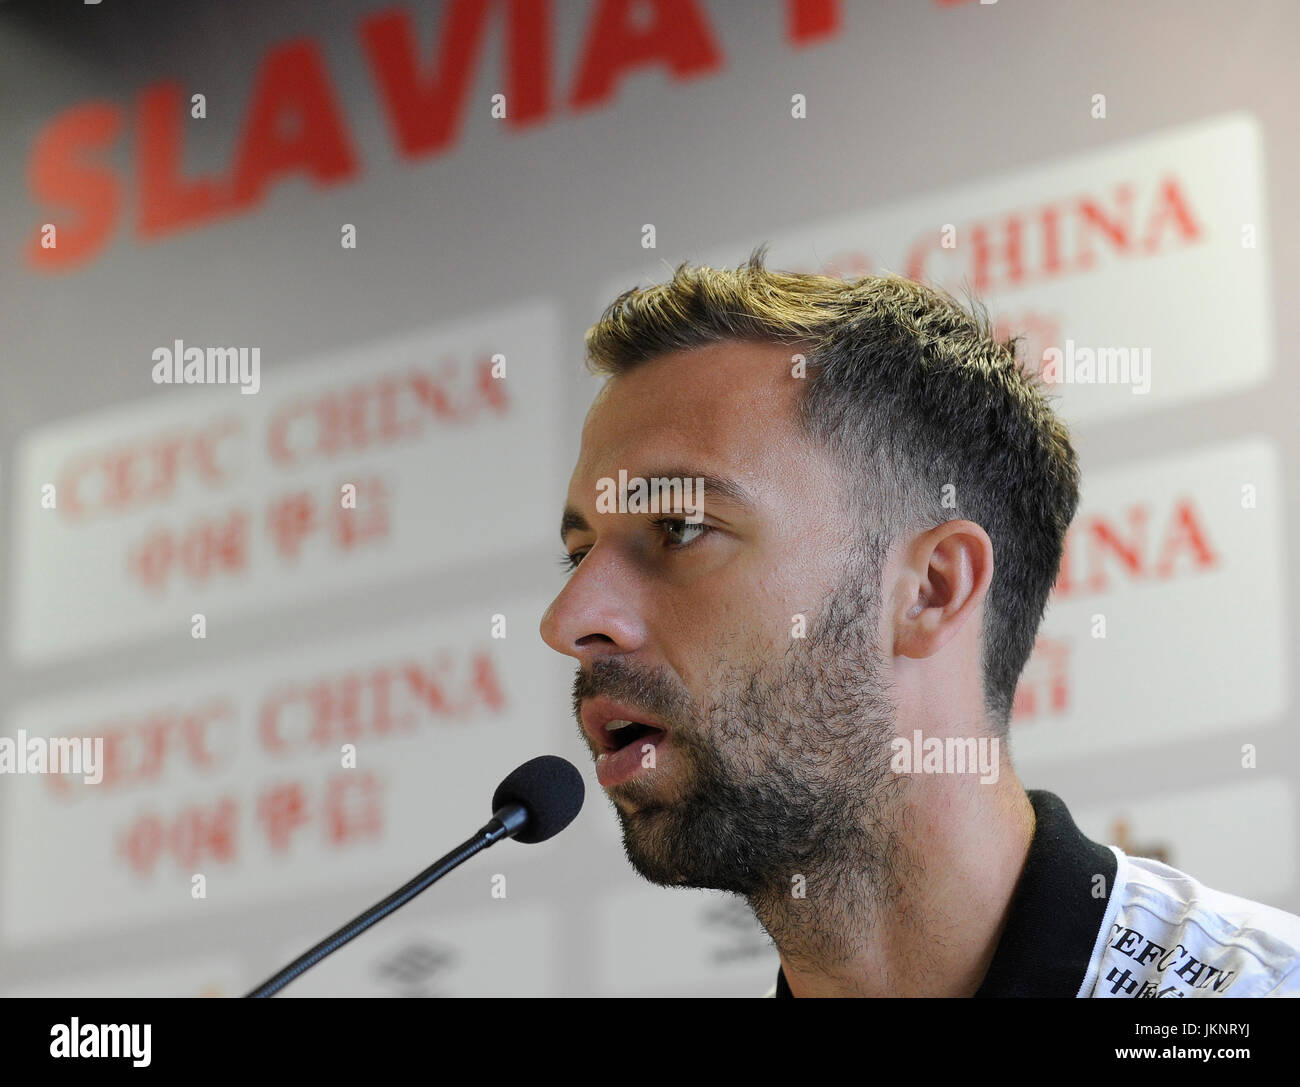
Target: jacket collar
x=1055 y=917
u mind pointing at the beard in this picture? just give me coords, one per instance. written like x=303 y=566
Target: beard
x=782 y=781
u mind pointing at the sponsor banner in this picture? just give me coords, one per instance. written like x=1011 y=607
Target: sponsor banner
x=1097 y=260
x=207 y=977
x=1166 y=564
x=372 y=464
x=1203 y=831
x=717 y=946
x=355 y=762
x=511 y=949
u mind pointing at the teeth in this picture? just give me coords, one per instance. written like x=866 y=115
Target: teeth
x=614 y=726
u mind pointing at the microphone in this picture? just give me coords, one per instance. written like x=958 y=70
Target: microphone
x=535 y=802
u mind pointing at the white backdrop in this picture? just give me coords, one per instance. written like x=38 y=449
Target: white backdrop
x=1108 y=177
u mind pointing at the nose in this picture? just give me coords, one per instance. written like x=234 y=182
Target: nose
x=598 y=612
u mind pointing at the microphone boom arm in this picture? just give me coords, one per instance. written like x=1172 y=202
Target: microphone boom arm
x=506 y=822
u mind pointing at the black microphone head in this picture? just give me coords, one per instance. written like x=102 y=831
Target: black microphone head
x=550 y=788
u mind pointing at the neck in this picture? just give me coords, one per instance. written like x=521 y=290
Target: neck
x=913 y=906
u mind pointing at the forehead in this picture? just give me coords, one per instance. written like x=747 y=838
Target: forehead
x=728 y=406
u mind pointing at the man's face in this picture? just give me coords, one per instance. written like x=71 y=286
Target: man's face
x=746 y=641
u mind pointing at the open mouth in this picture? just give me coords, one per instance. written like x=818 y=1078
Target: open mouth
x=624 y=746
x=619 y=734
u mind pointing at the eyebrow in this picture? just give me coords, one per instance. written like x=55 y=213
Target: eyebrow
x=729 y=491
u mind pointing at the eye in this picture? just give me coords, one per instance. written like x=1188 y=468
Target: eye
x=569 y=563
x=672 y=527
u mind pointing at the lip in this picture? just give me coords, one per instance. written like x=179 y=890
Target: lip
x=599 y=712
x=615 y=764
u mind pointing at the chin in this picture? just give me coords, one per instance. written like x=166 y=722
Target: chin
x=653 y=866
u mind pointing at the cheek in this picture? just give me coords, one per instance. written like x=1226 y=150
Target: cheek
x=746 y=621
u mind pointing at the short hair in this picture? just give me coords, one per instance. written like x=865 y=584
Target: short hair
x=912 y=393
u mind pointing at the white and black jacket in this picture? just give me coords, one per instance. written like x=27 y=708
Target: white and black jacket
x=1158 y=933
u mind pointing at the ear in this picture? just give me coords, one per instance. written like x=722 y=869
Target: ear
x=942 y=580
